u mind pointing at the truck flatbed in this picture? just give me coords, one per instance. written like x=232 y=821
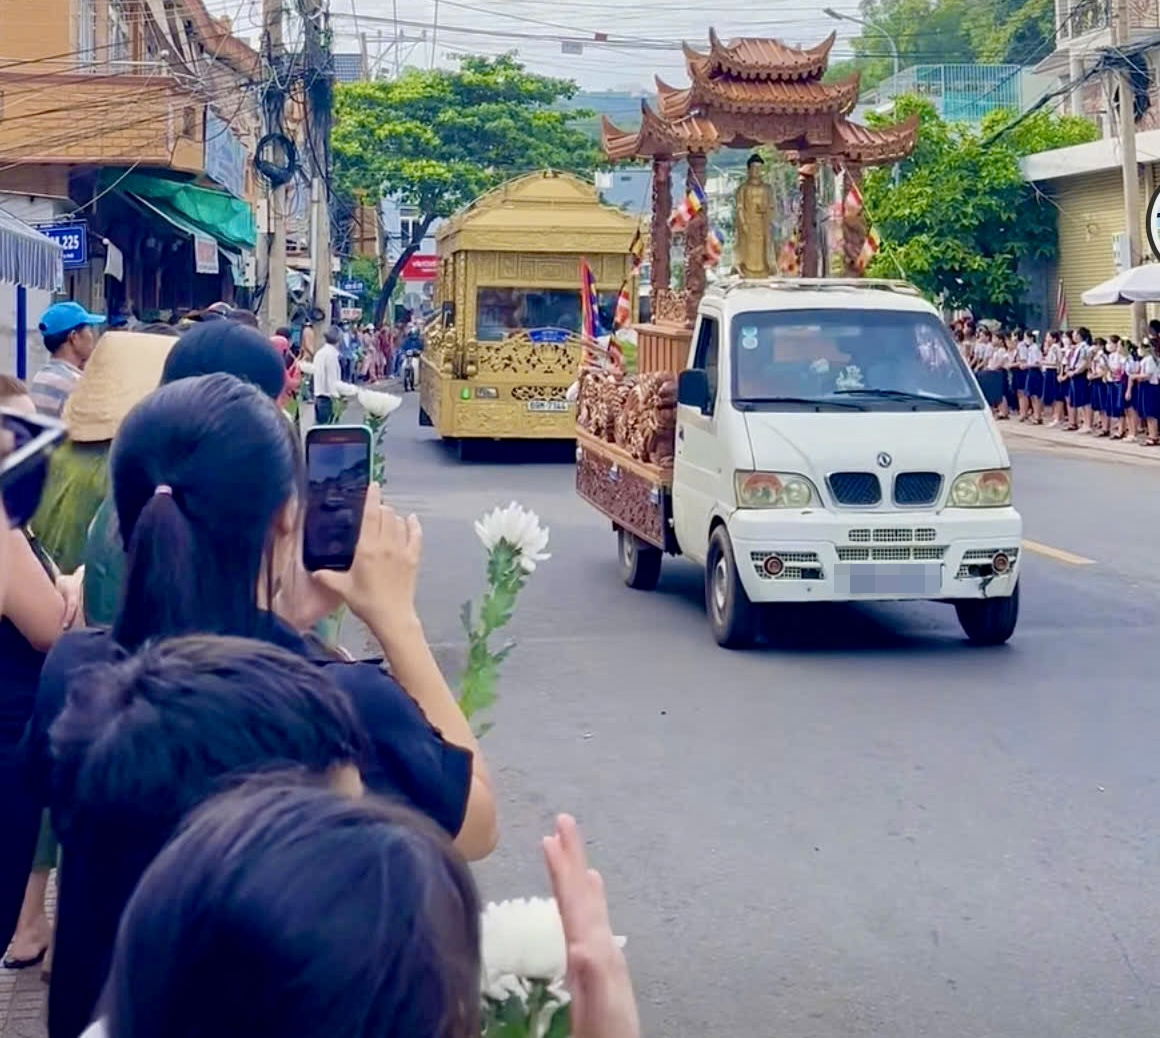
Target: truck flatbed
x=634 y=494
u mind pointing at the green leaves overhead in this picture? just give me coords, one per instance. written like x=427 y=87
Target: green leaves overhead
x=437 y=139
x=962 y=217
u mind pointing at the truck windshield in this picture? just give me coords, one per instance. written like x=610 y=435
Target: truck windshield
x=887 y=360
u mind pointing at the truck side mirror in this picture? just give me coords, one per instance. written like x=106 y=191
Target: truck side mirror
x=992 y=383
x=693 y=388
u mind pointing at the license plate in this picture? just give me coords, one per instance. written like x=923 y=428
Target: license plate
x=548 y=405
x=885 y=578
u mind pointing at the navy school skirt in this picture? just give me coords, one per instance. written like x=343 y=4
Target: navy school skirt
x=1051 y=387
x=1019 y=380
x=1033 y=384
x=1098 y=396
x=1114 y=399
x=1009 y=388
x=1148 y=405
x=1078 y=393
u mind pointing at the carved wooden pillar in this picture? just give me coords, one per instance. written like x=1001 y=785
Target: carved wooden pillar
x=660 y=237
x=808 y=220
x=853 y=222
x=695 y=235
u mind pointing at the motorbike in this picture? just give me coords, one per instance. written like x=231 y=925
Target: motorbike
x=410 y=371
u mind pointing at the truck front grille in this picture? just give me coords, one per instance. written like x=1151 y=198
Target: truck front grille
x=855 y=489
x=914 y=489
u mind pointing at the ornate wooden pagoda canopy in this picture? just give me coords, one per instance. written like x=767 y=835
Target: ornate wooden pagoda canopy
x=751 y=92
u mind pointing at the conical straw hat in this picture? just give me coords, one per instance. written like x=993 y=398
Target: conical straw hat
x=125 y=367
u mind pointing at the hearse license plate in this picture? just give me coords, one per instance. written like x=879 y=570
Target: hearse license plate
x=886 y=578
x=548 y=405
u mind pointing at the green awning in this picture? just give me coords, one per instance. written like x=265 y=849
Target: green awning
x=196 y=210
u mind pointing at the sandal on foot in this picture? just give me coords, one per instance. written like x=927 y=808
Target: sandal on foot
x=9 y=963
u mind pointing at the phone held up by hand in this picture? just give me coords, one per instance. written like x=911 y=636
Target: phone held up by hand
x=338 y=471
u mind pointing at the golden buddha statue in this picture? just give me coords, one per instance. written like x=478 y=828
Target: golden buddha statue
x=753 y=211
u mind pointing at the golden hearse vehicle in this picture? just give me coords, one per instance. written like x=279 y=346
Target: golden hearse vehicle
x=505 y=344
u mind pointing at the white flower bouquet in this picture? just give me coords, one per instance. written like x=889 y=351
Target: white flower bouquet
x=515 y=543
x=377 y=408
x=524 y=963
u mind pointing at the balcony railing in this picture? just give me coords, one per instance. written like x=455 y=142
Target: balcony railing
x=960 y=93
x=1081 y=17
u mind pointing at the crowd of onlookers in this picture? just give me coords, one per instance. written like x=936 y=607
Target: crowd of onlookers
x=257 y=835
x=1106 y=387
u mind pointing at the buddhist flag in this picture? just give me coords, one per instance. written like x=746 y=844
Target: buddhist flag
x=589 y=303
x=852 y=203
x=869 y=249
x=636 y=251
x=623 y=307
x=1060 y=308
x=713 y=247
x=683 y=215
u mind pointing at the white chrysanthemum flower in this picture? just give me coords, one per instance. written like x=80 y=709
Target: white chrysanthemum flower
x=347 y=389
x=573 y=393
x=377 y=404
x=522 y=531
x=306 y=367
x=523 y=938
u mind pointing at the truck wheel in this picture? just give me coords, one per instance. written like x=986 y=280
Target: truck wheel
x=989 y=621
x=732 y=617
x=640 y=563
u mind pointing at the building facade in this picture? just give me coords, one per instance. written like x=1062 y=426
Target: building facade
x=127 y=127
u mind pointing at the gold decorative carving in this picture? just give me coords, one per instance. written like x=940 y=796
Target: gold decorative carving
x=671 y=306
x=490 y=419
x=540 y=392
x=520 y=355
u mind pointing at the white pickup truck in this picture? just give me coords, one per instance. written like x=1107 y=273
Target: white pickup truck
x=831 y=446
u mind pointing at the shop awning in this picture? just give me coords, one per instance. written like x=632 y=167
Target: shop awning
x=193 y=209
x=28 y=257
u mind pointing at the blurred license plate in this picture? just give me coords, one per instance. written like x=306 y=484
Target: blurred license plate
x=547 y=405
x=886 y=578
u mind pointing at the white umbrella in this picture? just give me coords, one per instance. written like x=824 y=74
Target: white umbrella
x=1137 y=285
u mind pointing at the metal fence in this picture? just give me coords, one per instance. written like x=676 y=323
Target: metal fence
x=961 y=93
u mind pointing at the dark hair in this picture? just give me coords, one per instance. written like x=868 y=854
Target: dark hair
x=287 y=909
x=226 y=346
x=285 y=332
x=1086 y=335
x=55 y=340
x=244 y=317
x=333 y=335
x=142 y=742
x=226 y=461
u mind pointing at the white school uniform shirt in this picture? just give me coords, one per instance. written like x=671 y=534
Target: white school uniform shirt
x=1021 y=352
x=1150 y=366
x=983 y=350
x=998 y=359
x=1115 y=364
x=1034 y=355
x=1052 y=357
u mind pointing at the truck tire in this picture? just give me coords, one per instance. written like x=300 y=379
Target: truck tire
x=989 y=621
x=732 y=617
x=640 y=563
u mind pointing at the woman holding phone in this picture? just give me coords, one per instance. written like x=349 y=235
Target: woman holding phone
x=206 y=475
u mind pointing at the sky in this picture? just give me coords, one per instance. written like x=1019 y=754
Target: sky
x=643 y=37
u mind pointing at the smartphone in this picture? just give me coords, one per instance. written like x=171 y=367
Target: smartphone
x=338 y=471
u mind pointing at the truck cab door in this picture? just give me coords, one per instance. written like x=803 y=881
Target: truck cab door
x=697 y=464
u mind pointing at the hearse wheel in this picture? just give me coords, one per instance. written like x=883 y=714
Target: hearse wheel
x=733 y=619
x=989 y=621
x=640 y=563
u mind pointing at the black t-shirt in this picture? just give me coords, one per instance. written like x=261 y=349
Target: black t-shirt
x=409 y=760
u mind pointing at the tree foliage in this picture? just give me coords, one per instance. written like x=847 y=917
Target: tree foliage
x=961 y=216
x=436 y=139
x=938 y=32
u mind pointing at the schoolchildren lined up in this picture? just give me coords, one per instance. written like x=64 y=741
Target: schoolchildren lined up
x=1072 y=381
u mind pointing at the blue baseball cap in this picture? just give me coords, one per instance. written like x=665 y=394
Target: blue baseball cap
x=64 y=317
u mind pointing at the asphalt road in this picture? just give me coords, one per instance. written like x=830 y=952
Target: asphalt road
x=866 y=828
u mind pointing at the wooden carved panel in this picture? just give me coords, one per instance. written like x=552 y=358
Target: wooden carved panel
x=516 y=357
x=625 y=497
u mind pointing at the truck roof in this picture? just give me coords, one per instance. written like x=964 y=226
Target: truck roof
x=793 y=293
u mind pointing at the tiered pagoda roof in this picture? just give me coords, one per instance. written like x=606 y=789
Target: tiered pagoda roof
x=752 y=91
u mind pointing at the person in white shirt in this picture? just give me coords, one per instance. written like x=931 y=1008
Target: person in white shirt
x=327 y=376
x=999 y=359
x=1019 y=375
x=1033 y=378
x=1053 y=392
x=1149 y=389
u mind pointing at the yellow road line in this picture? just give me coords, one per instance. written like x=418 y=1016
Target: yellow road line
x=1058 y=554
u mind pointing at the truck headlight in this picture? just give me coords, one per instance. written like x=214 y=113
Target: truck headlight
x=773 y=490
x=990 y=488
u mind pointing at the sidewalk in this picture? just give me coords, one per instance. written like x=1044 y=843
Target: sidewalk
x=1040 y=437
x=23 y=995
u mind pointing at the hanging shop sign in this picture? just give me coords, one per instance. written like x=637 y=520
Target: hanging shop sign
x=225 y=156
x=205 y=255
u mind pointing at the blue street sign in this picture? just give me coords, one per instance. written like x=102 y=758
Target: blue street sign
x=355 y=288
x=548 y=335
x=73 y=239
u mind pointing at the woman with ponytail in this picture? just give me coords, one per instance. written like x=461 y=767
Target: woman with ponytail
x=206 y=475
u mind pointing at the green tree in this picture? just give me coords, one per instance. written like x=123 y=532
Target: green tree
x=961 y=217
x=438 y=139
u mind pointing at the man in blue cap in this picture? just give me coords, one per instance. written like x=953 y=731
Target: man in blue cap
x=69 y=337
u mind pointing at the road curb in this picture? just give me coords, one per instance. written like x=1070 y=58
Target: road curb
x=1074 y=442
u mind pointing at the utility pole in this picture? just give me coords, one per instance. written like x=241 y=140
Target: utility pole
x=1121 y=38
x=271 y=260
x=319 y=80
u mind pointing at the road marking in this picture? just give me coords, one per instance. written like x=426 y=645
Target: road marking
x=1058 y=554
